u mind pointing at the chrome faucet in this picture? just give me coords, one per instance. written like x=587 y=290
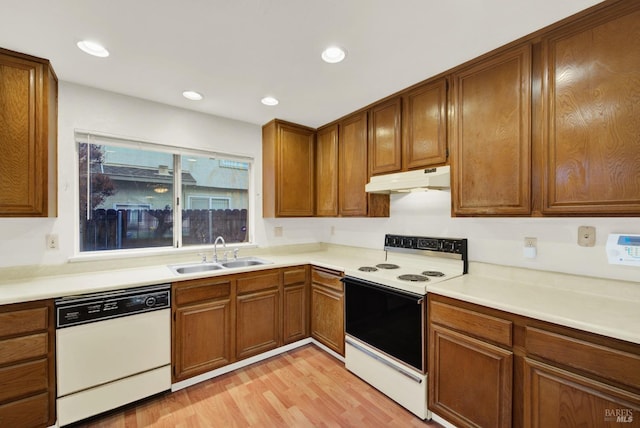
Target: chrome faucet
x=215 y=247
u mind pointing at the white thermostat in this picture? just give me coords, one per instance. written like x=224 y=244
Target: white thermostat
x=623 y=249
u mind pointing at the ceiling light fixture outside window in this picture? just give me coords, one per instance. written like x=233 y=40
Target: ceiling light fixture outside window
x=333 y=54
x=93 y=48
x=192 y=95
x=269 y=101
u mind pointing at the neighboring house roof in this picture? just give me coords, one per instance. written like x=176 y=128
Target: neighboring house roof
x=139 y=174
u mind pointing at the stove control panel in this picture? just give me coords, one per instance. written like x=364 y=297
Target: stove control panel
x=439 y=245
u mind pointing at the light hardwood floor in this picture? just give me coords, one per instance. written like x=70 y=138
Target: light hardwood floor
x=304 y=387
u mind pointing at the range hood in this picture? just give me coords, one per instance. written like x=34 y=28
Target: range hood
x=421 y=179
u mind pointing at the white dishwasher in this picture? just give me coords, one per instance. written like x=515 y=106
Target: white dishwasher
x=112 y=349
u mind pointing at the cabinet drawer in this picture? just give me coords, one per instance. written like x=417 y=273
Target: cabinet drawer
x=29 y=412
x=609 y=363
x=200 y=290
x=258 y=282
x=295 y=276
x=327 y=278
x=483 y=326
x=23 y=321
x=22 y=348
x=23 y=379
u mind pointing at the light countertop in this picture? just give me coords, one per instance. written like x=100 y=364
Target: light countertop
x=607 y=307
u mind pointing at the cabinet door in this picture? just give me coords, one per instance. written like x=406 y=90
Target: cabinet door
x=327 y=317
x=257 y=322
x=385 y=139
x=27 y=364
x=591 y=130
x=470 y=381
x=424 y=118
x=555 y=398
x=491 y=136
x=295 y=304
x=288 y=170
x=28 y=117
x=353 y=166
x=327 y=172
x=295 y=313
x=202 y=339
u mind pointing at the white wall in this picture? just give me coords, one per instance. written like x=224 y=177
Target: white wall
x=491 y=240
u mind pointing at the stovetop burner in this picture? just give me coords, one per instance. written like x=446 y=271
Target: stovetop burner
x=432 y=273
x=413 y=278
x=387 y=266
x=367 y=269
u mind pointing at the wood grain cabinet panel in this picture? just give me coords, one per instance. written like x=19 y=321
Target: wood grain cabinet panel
x=295 y=304
x=556 y=398
x=258 y=325
x=288 y=170
x=202 y=338
x=546 y=375
x=28 y=132
x=202 y=327
x=491 y=135
x=470 y=381
x=385 y=137
x=424 y=125
x=327 y=171
x=327 y=309
x=352 y=177
x=27 y=365
x=592 y=122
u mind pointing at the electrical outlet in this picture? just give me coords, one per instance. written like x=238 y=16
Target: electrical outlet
x=52 y=241
x=277 y=231
x=586 y=236
x=530 y=248
x=333 y=230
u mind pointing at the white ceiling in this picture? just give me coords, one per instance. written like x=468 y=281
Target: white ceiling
x=237 y=51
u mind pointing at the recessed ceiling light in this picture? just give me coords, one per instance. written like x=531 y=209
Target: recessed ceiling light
x=93 y=48
x=269 y=101
x=192 y=95
x=333 y=54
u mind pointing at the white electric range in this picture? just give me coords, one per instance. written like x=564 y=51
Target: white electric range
x=385 y=314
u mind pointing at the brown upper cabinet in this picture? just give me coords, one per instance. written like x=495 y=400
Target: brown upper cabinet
x=491 y=135
x=288 y=170
x=327 y=171
x=591 y=127
x=28 y=132
x=385 y=137
x=352 y=162
x=424 y=125
x=353 y=169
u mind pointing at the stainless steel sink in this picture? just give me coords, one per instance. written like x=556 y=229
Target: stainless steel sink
x=245 y=262
x=230 y=264
x=195 y=268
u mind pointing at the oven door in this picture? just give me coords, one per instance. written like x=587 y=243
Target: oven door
x=387 y=319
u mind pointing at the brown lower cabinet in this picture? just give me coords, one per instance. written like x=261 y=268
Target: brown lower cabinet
x=489 y=368
x=257 y=312
x=295 y=304
x=224 y=319
x=27 y=372
x=202 y=329
x=327 y=308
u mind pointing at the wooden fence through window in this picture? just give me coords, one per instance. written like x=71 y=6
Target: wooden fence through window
x=139 y=228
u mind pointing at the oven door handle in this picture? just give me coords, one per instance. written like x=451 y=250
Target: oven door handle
x=383 y=361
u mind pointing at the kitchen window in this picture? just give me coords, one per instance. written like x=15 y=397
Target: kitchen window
x=130 y=192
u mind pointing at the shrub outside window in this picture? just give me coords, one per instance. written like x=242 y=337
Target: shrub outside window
x=129 y=194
